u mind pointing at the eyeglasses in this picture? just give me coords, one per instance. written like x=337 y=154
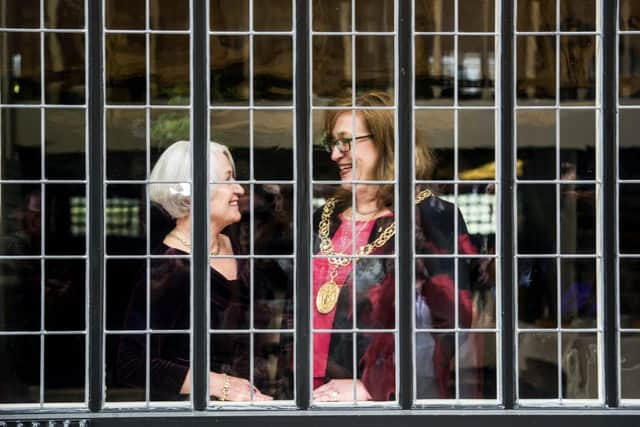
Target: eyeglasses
x=343 y=144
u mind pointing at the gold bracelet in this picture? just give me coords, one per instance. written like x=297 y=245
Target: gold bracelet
x=226 y=388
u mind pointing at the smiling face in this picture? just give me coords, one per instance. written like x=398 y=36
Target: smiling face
x=224 y=207
x=363 y=156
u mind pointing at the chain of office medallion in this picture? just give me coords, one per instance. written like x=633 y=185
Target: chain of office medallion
x=342 y=260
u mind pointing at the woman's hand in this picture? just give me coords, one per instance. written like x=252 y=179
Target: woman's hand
x=340 y=391
x=239 y=389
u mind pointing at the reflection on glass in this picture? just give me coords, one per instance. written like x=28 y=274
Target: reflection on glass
x=434 y=15
x=21 y=361
x=578 y=15
x=476 y=16
x=577 y=144
x=64 y=295
x=229 y=70
x=537 y=296
x=477 y=359
x=478 y=206
x=65 y=144
x=125 y=68
x=374 y=64
x=21 y=222
x=24 y=14
x=536 y=70
x=477 y=287
x=434 y=133
x=630 y=366
x=435 y=293
x=476 y=144
x=229 y=15
x=629 y=144
x=536 y=206
x=578 y=218
x=331 y=68
x=331 y=15
x=629 y=72
x=125 y=14
x=231 y=128
x=166 y=127
x=121 y=385
x=66 y=216
x=579 y=366
x=273 y=365
x=169 y=14
x=537 y=366
x=536 y=15
x=629 y=15
x=536 y=141
x=629 y=225
x=434 y=70
x=169 y=69
x=374 y=15
x=273 y=294
x=64 y=14
x=476 y=72
x=273 y=145
x=376 y=353
x=20 y=146
x=577 y=69
x=20 y=68
x=435 y=365
x=122 y=277
x=65 y=69
x=435 y=228
x=273 y=70
x=629 y=293
x=322 y=165
x=273 y=219
x=125 y=219
x=20 y=282
x=126 y=144
x=64 y=368
x=579 y=293
x=370 y=274
x=272 y=15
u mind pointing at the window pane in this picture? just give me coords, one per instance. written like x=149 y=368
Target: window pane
x=229 y=68
x=331 y=15
x=169 y=14
x=21 y=206
x=64 y=71
x=64 y=367
x=578 y=70
x=20 y=68
x=374 y=15
x=65 y=143
x=476 y=144
x=476 y=70
x=64 y=14
x=374 y=64
x=536 y=208
x=272 y=15
x=229 y=15
x=21 y=143
x=476 y=16
x=536 y=142
x=125 y=68
x=628 y=143
x=125 y=144
x=21 y=287
x=537 y=295
x=331 y=68
x=537 y=366
x=24 y=14
x=536 y=70
x=629 y=345
x=20 y=355
x=536 y=15
x=169 y=69
x=125 y=14
x=273 y=70
x=434 y=70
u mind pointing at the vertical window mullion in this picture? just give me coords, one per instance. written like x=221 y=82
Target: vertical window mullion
x=199 y=212
x=508 y=236
x=405 y=203
x=303 y=209
x=95 y=100
x=609 y=10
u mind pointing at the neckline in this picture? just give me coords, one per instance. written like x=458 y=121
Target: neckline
x=181 y=252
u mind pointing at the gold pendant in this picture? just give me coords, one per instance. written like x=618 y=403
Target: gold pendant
x=327 y=297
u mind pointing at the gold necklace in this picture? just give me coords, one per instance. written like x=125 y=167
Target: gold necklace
x=188 y=243
x=327 y=297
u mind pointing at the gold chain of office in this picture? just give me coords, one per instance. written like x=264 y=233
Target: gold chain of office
x=328 y=293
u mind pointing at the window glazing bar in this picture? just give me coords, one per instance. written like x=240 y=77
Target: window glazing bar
x=404 y=221
x=508 y=236
x=95 y=99
x=302 y=338
x=199 y=212
x=609 y=10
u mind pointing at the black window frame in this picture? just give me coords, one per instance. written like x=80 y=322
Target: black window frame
x=507 y=413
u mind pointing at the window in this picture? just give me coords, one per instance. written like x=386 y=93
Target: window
x=328 y=206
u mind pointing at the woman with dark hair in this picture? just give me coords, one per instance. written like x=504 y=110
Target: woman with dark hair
x=361 y=144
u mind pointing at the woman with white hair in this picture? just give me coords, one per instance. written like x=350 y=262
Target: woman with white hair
x=169 y=289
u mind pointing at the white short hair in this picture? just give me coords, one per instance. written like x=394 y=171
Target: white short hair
x=174 y=165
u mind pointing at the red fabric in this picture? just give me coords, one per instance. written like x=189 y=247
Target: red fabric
x=321 y=269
